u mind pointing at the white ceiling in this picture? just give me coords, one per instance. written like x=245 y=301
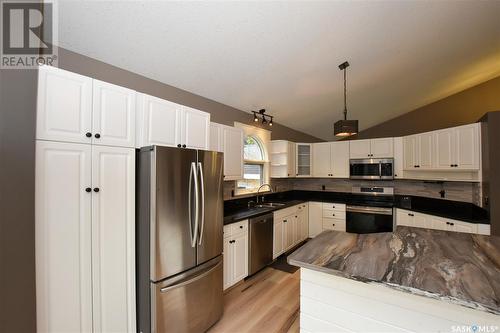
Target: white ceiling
x=284 y=55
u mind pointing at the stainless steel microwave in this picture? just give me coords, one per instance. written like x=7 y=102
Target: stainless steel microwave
x=371 y=168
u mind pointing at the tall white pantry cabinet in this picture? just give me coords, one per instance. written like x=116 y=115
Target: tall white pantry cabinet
x=85 y=204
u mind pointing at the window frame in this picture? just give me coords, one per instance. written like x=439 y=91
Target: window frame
x=262 y=138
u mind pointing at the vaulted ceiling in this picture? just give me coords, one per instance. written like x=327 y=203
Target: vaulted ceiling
x=284 y=55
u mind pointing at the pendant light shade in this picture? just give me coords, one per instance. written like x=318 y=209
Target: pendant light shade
x=344 y=128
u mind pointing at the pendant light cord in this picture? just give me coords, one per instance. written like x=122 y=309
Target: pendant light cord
x=345 y=95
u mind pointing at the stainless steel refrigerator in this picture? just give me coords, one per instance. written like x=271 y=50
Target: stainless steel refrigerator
x=179 y=239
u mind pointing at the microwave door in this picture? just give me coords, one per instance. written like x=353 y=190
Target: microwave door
x=364 y=170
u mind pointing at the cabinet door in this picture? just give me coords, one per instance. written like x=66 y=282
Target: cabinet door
x=409 y=152
x=158 y=122
x=398 y=158
x=424 y=150
x=195 y=130
x=64 y=106
x=339 y=159
x=288 y=231
x=467 y=147
x=291 y=159
x=444 y=144
x=321 y=160
x=240 y=257
x=113 y=239
x=382 y=148
x=404 y=218
x=436 y=223
x=304 y=218
x=304 y=159
x=113 y=116
x=63 y=237
x=227 y=263
x=233 y=153
x=359 y=149
x=216 y=138
x=460 y=226
x=315 y=218
x=277 y=238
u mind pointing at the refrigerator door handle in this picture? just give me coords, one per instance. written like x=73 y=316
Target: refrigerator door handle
x=193 y=230
x=202 y=274
x=202 y=179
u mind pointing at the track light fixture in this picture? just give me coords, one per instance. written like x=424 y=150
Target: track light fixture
x=266 y=119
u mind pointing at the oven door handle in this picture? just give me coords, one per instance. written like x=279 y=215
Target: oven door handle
x=369 y=210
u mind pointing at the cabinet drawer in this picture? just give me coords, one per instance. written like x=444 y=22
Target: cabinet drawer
x=333 y=213
x=333 y=224
x=239 y=227
x=235 y=228
x=336 y=206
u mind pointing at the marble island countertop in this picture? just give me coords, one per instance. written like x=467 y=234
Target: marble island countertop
x=455 y=267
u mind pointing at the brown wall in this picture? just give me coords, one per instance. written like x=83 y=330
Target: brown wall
x=465 y=107
x=219 y=113
x=17 y=203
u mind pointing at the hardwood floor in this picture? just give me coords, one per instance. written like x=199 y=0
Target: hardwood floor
x=267 y=302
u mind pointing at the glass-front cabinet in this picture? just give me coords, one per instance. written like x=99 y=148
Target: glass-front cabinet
x=303 y=159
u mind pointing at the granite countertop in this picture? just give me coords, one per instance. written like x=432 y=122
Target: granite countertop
x=246 y=213
x=455 y=267
x=236 y=210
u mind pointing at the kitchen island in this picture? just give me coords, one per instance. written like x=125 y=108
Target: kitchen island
x=412 y=279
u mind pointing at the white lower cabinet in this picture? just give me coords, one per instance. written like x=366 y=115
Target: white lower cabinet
x=413 y=219
x=315 y=218
x=291 y=226
x=235 y=253
x=85 y=238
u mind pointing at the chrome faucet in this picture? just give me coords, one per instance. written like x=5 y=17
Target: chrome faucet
x=258 y=191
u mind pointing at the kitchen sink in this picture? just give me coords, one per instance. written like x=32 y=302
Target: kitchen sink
x=270 y=205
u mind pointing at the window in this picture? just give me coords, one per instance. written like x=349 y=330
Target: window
x=254 y=165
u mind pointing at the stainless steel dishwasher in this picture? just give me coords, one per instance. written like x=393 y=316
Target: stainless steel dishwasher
x=260 y=243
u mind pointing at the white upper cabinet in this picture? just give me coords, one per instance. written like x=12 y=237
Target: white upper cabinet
x=233 y=152
x=424 y=151
x=467 y=147
x=303 y=159
x=322 y=159
x=374 y=148
x=398 y=158
x=216 y=137
x=64 y=106
x=331 y=159
x=450 y=149
x=164 y=123
x=113 y=118
x=195 y=130
x=158 y=122
x=444 y=144
x=381 y=148
x=360 y=149
x=76 y=108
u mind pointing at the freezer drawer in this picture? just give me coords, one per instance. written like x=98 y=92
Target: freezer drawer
x=190 y=302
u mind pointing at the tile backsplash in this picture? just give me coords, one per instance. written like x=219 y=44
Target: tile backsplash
x=458 y=191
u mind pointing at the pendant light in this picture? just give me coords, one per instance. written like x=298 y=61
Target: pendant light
x=345 y=128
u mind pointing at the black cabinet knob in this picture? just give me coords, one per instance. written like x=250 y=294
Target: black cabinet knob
x=183 y=146
x=451 y=223
x=88 y=189
x=333 y=214
x=333 y=224
x=96 y=189
x=241 y=227
x=179 y=145
x=88 y=134
x=97 y=135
